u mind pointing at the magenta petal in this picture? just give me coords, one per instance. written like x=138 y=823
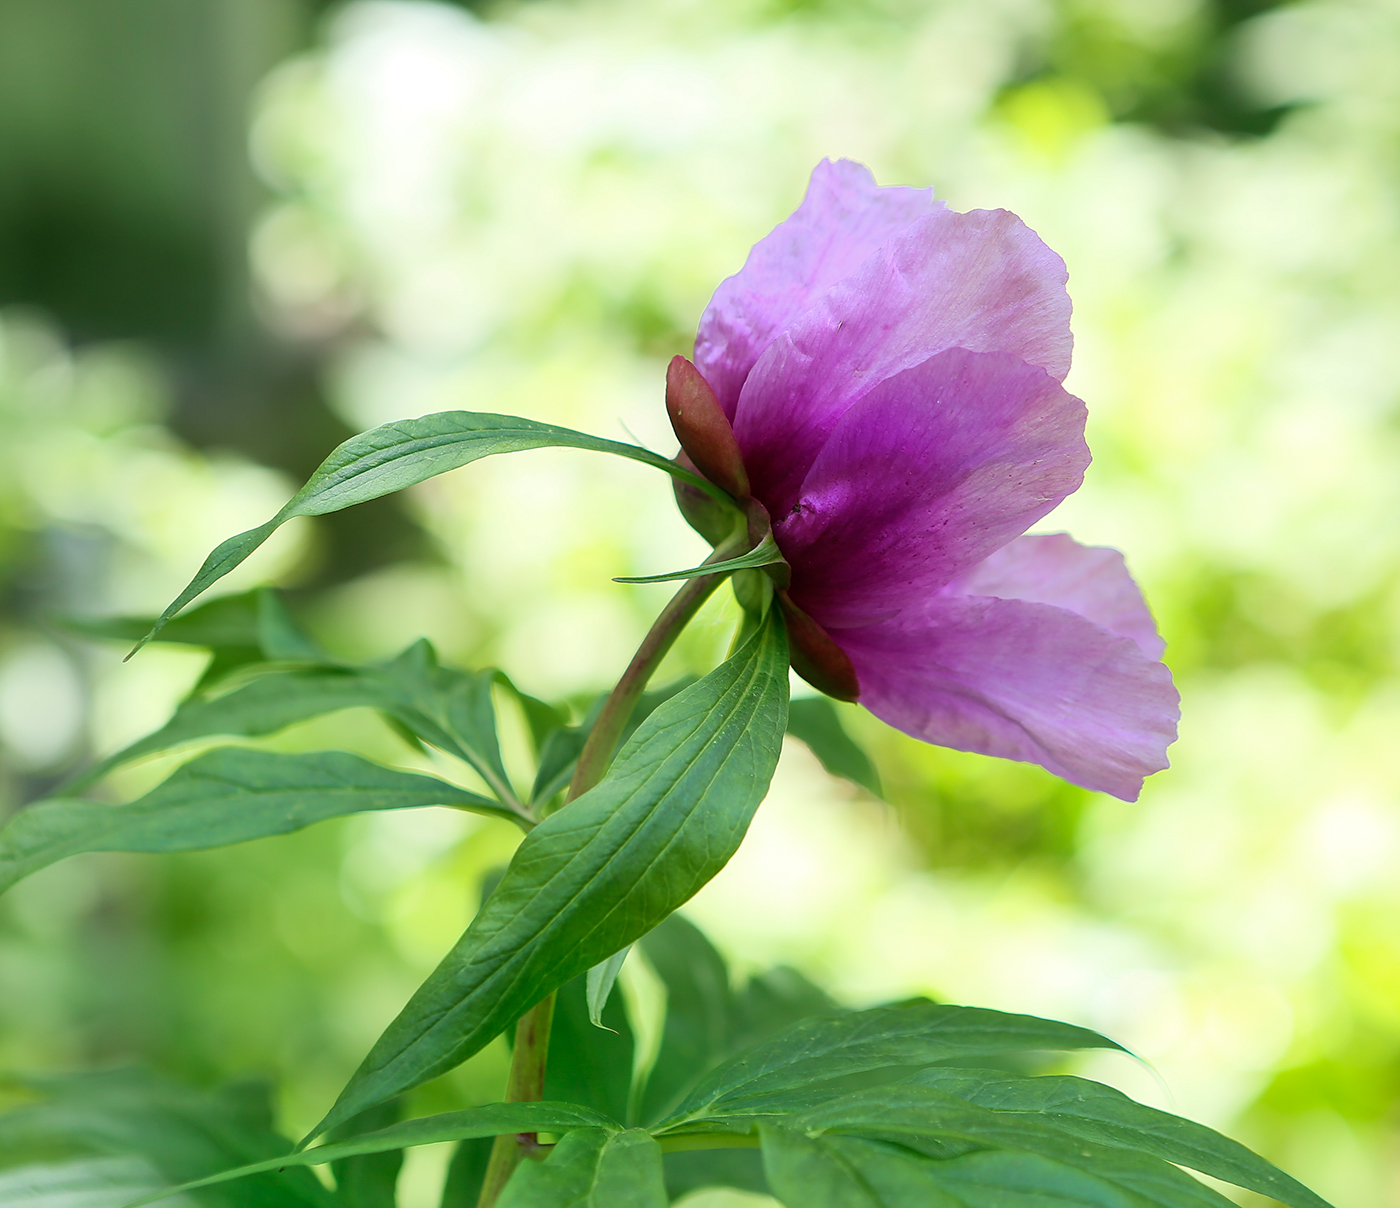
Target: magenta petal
x=927 y=475
x=1053 y=568
x=843 y=218
x=982 y=281
x=1022 y=681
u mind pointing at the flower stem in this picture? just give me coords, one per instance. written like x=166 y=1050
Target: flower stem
x=527 y=1064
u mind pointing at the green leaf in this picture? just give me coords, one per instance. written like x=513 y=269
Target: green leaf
x=450 y=709
x=493 y=1119
x=696 y=1033
x=369 y=1180
x=398 y=455
x=814 y=720
x=601 y=979
x=1105 y=1116
x=772 y=1001
x=184 y=1134
x=780 y=1074
x=765 y=553
x=588 y=1065
x=914 y=1115
x=692 y=1170
x=601 y=872
x=845 y=1172
x=466 y=1173
x=591 y=1169
x=227 y=796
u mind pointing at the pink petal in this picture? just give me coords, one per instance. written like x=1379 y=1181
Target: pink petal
x=981 y=281
x=928 y=474
x=1053 y=568
x=843 y=219
x=1021 y=681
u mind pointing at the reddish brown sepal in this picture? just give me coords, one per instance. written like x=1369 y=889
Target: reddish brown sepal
x=815 y=657
x=702 y=428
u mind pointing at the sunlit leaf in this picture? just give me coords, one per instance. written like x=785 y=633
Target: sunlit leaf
x=591 y=1169
x=601 y=872
x=601 y=979
x=398 y=455
x=230 y=795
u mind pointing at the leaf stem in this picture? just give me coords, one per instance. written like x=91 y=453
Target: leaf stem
x=527 y=1064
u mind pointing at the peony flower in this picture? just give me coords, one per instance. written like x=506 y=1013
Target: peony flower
x=883 y=378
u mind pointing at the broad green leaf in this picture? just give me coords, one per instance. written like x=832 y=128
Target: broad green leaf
x=766 y=553
x=184 y=1134
x=1103 y=1115
x=832 y=1171
x=369 y=1180
x=814 y=720
x=918 y=1116
x=591 y=1169
x=448 y=708
x=772 y=1001
x=587 y=1064
x=601 y=979
x=493 y=1119
x=227 y=796
x=466 y=1173
x=696 y=1032
x=601 y=872
x=398 y=455
x=779 y=1074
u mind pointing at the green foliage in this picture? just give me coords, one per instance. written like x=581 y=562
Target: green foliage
x=591 y=1168
x=599 y=874
x=227 y=796
x=402 y=454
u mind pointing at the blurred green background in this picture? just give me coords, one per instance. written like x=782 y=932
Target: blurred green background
x=234 y=231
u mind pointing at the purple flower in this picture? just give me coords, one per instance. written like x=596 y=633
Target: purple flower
x=891 y=373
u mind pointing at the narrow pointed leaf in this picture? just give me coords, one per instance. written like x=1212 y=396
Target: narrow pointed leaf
x=227 y=796
x=398 y=455
x=591 y=1169
x=773 y=1075
x=601 y=872
x=766 y=553
x=493 y=1119
x=1103 y=1115
x=814 y=720
x=601 y=979
x=447 y=708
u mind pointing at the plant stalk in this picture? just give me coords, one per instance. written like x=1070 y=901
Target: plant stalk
x=527 y=1066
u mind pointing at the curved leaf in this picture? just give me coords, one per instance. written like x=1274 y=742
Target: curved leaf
x=398 y=455
x=814 y=720
x=777 y=1075
x=601 y=872
x=227 y=796
x=493 y=1119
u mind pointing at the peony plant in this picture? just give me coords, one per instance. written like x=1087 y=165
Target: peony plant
x=872 y=419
